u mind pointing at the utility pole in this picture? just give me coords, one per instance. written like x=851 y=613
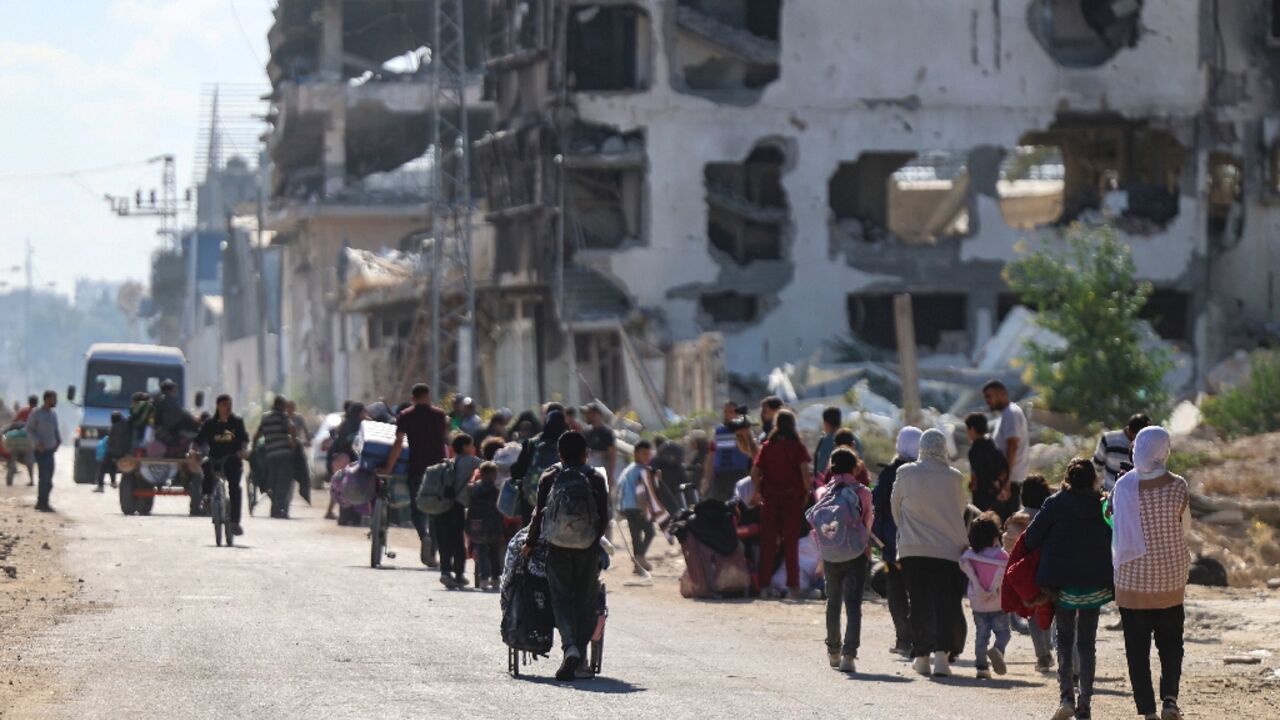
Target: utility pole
x=166 y=207
x=26 y=319
x=908 y=370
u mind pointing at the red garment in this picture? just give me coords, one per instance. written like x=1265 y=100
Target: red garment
x=779 y=461
x=780 y=521
x=22 y=415
x=1020 y=586
x=427 y=429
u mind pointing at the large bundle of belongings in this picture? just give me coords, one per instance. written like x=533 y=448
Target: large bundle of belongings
x=527 y=622
x=715 y=564
x=374 y=443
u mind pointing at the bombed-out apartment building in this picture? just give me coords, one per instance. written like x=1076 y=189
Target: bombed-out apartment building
x=351 y=124
x=677 y=186
x=671 y=194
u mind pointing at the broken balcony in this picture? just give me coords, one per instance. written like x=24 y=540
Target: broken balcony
x=727 y=50
x=1085 y=33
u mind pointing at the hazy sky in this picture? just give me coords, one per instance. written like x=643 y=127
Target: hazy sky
x=91 y=83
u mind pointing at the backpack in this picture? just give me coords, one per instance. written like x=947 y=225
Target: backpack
x=484 y=523
x=437 y=492
x=545 y=454
x=571 y=518
x=837 y=524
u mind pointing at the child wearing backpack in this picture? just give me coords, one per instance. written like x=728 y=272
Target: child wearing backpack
x=484 y=527
x=983 y=562
x=841 y=520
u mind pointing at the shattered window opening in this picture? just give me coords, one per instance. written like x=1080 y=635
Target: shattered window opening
x=1168 y=311
x=1085 y=33
x=1226 y=190
x=747 y=206
x=730 y=307
x=941 y=320
x=726 y=48
x=1031 y=186
x=909 y=197
x=608 y=48
x=1115 y=170
x=604 y=206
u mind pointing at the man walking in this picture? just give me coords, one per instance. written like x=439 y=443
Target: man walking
x=426 y=427
x=726 y=463
x=1012 y=438
x=1114 y=456
x=42 y=428
x=280 y=440
x=571 y=514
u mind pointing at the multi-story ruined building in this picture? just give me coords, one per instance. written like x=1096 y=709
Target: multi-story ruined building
x=351 y=115
x=766 y=174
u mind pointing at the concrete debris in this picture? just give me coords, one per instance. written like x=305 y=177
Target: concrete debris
x=1185 y=419
x=1230 y=373
x=1008 y=343
x=368 y=271
x=1274 y=583
x=1242 y=660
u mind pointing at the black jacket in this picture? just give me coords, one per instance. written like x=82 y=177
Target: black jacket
x=223 y=438
x=1074 y=540
x=883 y=525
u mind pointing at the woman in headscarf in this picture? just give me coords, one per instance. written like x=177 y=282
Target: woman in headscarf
x=1075 y=572
x=783 y=483
x=908 y=449
x=536 y=455
x=1151 y=559
x=928 y=503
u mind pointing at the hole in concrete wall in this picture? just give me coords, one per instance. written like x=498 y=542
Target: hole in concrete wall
x=1226 y=190
x=1030 y=188
x=608 y=48
x=747 y=206
x=730 y=307
x=1168 y=311
x=940 y=320
x=914 y=198
x=604 y=171
x=516 y=26
x=1116 y=170
x=1085 y=33
x=726 y=49
x=604 y=206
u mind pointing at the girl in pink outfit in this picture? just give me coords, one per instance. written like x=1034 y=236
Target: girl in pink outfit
x=983 y=562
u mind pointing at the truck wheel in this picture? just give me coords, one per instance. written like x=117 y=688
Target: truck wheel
x=144 y=504
x=128 y=503
x=86 y=470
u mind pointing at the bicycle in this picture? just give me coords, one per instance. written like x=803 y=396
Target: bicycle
x=379 y=519
x=219 y=503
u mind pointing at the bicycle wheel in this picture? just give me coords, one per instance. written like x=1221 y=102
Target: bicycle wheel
x=377 y=532
x=216 y=511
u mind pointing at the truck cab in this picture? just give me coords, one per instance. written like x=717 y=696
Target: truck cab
x=113 y=373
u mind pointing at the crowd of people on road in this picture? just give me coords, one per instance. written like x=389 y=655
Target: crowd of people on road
x=1027 y=557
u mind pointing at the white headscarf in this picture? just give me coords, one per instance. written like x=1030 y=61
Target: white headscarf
x=933 y=445
x=1150 y=453
x=909 y=442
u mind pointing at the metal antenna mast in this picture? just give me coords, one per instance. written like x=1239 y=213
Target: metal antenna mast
x=451 y=205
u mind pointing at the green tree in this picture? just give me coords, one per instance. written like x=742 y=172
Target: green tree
x=1085 y=291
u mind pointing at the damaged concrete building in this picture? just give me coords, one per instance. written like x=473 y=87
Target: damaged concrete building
x=351 y=115
x=761 y=176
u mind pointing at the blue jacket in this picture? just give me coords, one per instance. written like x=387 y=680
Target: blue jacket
x=1074 y=542
x=883 y=525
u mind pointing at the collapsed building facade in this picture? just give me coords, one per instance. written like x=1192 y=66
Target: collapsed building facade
x=351 y=116
x=677 y=186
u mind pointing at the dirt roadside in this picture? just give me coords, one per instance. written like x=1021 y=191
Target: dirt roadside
x=1220 y=622
x=35 y=593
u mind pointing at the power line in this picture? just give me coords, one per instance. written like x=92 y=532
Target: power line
x=72 y=173
x=236 y=14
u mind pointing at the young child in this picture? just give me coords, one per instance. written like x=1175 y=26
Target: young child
x=988 y=470
x=983 y=563
x=1035 y=490
x=845 y=576
x=484 y=527
x=633 y=489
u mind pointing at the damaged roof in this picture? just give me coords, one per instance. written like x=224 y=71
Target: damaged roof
x=742 y=43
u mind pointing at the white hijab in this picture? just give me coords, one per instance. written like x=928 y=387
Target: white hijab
x=1150 y=453
x=908 y=446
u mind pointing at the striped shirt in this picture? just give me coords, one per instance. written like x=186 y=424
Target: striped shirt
x=275 y=430
x=1113 y=457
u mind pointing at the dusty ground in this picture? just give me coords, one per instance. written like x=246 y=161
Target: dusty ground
x=217 y=614
x=35 y=593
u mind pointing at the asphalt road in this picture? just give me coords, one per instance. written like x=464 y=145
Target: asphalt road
x=292 y=623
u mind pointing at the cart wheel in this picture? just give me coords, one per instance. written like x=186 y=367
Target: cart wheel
x=128 y=503
x=143 y=505
x=513 y=662
x=377 y=532
x=597 y=655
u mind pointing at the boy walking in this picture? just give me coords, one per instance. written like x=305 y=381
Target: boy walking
x=988 y=470
x=633 y=489
x=484 y=527
x=983 y=562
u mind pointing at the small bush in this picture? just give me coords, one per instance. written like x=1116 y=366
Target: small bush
x=1252 y=408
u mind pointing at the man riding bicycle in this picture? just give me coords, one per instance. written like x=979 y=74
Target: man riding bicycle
x=227 y=440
